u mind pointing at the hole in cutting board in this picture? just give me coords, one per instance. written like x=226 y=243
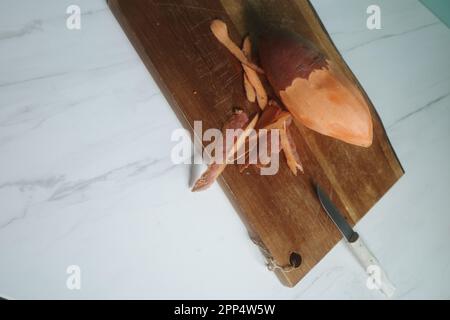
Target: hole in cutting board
x=295 y=259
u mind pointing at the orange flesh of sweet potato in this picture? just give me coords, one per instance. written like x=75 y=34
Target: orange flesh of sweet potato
x=327 y=103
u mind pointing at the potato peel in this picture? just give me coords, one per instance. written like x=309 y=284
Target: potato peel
x=252 y=76
x=220 y=31
x=215 y=169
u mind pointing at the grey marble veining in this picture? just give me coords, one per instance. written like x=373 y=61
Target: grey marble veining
x=86 y=177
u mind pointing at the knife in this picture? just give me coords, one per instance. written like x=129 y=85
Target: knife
x=377 y=277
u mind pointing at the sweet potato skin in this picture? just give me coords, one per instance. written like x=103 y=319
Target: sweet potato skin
x=285 y=56
x=314 y=90
x=237 y=121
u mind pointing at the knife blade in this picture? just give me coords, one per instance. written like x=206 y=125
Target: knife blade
x=336 y=216
x=377 y=277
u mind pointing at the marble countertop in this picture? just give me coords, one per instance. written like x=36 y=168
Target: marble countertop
x=86 y=177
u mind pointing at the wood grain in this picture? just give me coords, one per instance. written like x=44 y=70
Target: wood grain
x=202 y=81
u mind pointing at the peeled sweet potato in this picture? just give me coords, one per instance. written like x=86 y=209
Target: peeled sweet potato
x=313 y=89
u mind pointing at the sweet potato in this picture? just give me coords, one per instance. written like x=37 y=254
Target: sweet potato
x=313 y=89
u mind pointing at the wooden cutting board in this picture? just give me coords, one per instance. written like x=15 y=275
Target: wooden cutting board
x=202 y=81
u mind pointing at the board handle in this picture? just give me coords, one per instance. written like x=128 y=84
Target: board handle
x=378 y=279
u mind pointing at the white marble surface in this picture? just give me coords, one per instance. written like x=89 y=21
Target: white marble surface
x=86 y=177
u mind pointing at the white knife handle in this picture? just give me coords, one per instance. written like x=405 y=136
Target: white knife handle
x=378 y=278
